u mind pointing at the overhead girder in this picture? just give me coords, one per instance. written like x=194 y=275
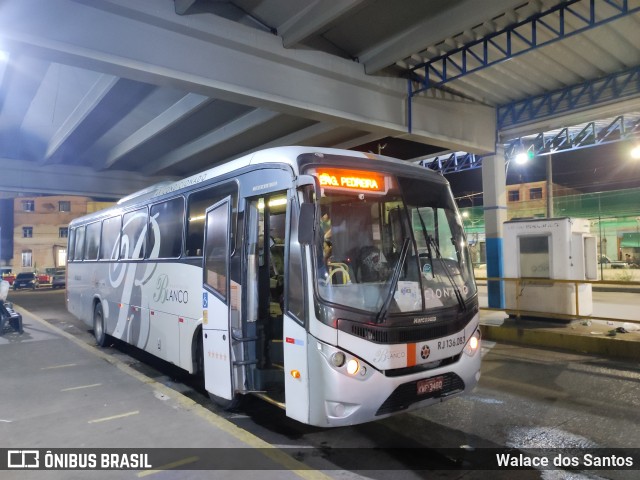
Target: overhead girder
x=239 y=64
x=586 y=95
x=20 y=177
x=460 y=17
x=546 y=143
x=556 y=23
x=620 y=129
x=159 y=124
x=317 y=16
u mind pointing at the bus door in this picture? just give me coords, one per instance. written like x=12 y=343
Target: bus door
x=264 y=291
x=215 y=302
x=295 y=339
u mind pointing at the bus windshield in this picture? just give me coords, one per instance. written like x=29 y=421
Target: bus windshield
x=400 y=248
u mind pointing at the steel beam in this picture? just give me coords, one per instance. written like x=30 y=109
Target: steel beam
x=239 y=64
x=19 y=176
x=536 y=31
x=621 y=129
x=586 y=95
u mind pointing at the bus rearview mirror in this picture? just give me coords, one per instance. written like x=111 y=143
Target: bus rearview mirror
x=306 y=223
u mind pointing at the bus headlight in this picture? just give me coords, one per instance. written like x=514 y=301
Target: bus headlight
x=353 y=366
x=344 y=362
x=473 y=345
x=338 y=359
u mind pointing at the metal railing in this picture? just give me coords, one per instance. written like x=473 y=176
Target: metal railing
x=522 y=282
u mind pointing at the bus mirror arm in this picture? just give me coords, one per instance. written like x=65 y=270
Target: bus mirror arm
x=307 y=219
x=304 y=180
x=306 y=223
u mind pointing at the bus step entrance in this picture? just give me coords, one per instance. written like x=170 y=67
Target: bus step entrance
x=271 y=382
x=277 y=401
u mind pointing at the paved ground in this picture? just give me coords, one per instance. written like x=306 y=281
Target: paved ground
x=69 y=393
x=58 y=392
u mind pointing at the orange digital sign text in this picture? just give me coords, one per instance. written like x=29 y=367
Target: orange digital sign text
x=352 y=180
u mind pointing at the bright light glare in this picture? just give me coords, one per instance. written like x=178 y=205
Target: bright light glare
x=4 y=56
x=522 y=158
x=353 y=366
x=635 y=152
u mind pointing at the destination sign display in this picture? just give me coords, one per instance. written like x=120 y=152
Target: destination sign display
x=354 y=180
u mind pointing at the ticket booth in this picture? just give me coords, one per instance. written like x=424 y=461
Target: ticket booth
x=549 y=248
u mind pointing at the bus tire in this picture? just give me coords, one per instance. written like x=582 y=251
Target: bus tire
x=198 y=355
x=98 y=325
x=224 y=403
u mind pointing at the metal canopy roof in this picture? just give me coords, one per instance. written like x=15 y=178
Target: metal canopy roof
x=106 y=96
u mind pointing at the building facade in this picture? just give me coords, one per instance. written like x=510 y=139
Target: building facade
x=614 y=217
x=40 y=229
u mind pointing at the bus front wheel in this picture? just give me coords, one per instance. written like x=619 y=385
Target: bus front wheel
x=98 y=325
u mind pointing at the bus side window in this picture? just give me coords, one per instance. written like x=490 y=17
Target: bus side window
x=169 y=217
x=197 y=203
x=217 y=249
x=295 y=285
x=134 y=229
x=92 y=241
x=110 y=241
x=79 y=246
x=72 y=244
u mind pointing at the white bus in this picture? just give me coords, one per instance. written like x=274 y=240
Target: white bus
x=335 y=284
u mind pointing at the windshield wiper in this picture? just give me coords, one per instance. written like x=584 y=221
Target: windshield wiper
x=454 y=285
x=394 y=281
x=429 y=240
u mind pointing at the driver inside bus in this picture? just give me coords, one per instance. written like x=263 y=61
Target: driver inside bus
x=325 y=225
x=323 y=262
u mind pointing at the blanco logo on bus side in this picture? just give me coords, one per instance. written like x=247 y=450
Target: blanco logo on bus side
x=165 y=294
x=123 y=275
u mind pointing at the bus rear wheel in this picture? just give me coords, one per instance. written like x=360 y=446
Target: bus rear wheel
x=98 y=325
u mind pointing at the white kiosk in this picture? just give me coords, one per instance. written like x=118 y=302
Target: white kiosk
x=549 y=248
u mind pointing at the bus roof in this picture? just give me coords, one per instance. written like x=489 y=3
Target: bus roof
x=282 y=155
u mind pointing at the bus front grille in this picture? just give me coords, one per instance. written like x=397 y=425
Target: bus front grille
x=395 y=334
x=407 y=394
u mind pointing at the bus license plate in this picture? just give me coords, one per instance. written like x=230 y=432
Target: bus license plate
x=430 y=385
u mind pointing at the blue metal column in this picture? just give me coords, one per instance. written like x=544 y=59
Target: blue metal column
x=495 y=214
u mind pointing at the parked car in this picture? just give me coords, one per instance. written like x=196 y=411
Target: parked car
x=613 y=263
x=8 y=276
x=59 y=279
x=46 y=276
x=26 y=280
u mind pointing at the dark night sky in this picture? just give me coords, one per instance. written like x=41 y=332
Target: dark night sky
x=592 y=169
x=589 y=169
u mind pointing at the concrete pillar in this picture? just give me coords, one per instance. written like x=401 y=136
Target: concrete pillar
x=550 y=186
x=494 y=185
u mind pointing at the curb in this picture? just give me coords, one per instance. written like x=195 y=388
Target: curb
x=274 y=452
x=613 y=347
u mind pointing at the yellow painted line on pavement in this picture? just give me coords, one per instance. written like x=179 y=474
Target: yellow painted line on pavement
x=59 y=366
x=278 y=456
x=114 y=417
x=169 y=466
x=70 y=389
